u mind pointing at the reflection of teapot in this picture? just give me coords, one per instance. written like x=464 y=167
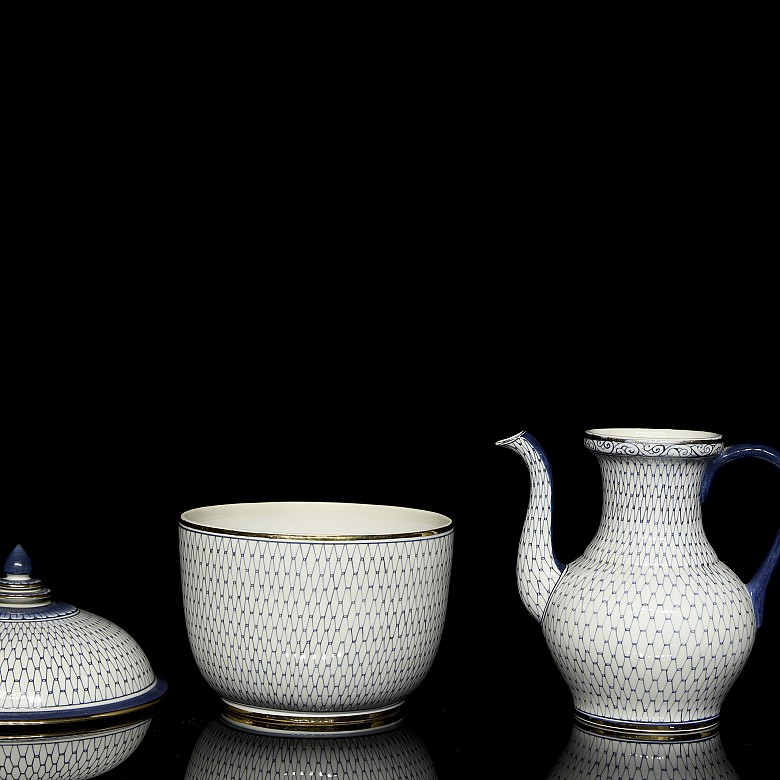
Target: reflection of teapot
x=69 y=756
x=225 y=752
x=648 y=627
x=591 y=757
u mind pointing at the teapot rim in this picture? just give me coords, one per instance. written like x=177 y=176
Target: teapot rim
x=666 y=435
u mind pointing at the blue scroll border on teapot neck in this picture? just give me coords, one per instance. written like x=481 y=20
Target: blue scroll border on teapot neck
x=649 y=442
x=23 y=597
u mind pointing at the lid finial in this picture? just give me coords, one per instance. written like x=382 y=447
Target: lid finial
x=18 y=562
x=18 y=588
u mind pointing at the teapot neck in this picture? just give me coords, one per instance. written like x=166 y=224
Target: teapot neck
x=651 y=509
x=652 y=477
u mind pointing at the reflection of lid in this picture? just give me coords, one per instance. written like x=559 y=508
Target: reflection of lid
x=63 y=666
x=70 y=754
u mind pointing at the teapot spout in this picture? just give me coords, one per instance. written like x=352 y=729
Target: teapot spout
x=538 y=570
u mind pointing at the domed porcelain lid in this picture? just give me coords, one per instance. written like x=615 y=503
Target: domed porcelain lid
x=64 y=666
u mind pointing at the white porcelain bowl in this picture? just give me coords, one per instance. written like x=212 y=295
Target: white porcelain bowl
x=309 y=617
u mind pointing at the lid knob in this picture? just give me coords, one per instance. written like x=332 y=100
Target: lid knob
x=18 y=588
x=18 y=562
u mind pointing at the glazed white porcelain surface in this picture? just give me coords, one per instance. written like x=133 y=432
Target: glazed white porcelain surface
x=70 y=756
x=67 y=661
x=314 y=609
x=648 y=627
x=59 y=663
x=226 y=753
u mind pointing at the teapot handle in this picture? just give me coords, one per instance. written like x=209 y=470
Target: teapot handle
x=758 y=585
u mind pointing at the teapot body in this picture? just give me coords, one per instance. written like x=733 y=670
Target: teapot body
x=655 y=648
x=648 y=627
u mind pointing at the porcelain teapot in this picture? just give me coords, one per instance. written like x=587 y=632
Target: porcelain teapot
x=648 y=627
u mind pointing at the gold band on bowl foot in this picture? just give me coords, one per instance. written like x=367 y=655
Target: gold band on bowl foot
x=636 y=730
x=311 y=723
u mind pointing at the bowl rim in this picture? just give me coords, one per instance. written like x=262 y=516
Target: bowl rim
x=256 y=520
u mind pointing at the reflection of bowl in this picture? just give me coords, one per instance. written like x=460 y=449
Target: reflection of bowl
x=314 y=617
x=63 y=667
x=594 y=757
x=69 y=756
x=225 y=752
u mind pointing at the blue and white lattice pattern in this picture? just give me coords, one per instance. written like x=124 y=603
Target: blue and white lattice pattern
x=537 y=569
x=260 y=633
x=591 y=757
x=648 y=625
x=72 y=757
x=225 y=753
x=59 y=657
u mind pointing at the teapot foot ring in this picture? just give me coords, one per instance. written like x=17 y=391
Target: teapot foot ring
x=685 y=731
x=311 y=724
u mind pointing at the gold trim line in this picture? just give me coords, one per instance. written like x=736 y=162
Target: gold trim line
x=324 y=724
x=45 y=726
x=635 y=730
x=316 y=537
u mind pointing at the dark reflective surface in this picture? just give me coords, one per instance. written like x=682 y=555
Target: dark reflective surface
x=591 y=757
x=224 y=752
x=188 y=746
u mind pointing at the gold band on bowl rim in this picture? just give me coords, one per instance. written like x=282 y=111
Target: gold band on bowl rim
x=647 y=732
x=328 y=723
x=317 y=537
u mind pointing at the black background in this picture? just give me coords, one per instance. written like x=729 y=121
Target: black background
x=342 y=272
